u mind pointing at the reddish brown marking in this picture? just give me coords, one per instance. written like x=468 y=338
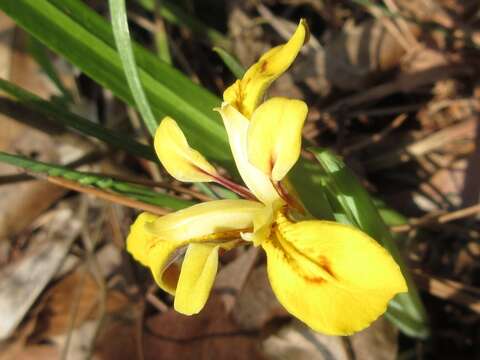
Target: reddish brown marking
x=263 y=66
x=325 y=264
x=238 y=189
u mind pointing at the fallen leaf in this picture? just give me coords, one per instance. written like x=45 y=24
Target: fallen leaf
x=77 y=289
x=257 y=304
x=210 y=334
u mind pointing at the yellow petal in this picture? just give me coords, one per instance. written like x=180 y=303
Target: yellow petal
x=196 y=278
x=245 y=94
x=153 y=252
x=206 y=221
x=346 y=279
x=162 y=262
x=178 y=158
x=237 y=129
x=139 y=240
x=275 y=136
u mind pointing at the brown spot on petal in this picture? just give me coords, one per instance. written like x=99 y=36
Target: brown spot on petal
x=325 y=264
x=263 y=66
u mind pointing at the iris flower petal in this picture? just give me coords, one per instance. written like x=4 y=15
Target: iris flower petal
x=199 y=222
x=139 y=240
x=346 y=279
x=153 y=252
x=178 y=158
x=237 y=129
x=275 y=136
x=196 y=278
x=245 y=94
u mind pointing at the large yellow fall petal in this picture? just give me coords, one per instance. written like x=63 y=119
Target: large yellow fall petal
x=196 y=278
x=344 y=277
x=139 y=240
x=208 y=221
x=275 y=136
x=154 y=252
x=245 y=94
x=178 y=158
x=237 y=129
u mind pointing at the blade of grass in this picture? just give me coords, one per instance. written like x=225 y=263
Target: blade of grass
x=62 y=116
x=121 y=33
x=83 y=37
x=405 y=310
x=176 y=15
x=232 y=64
x=141 y=193
x=39 y=53
x=161 y=37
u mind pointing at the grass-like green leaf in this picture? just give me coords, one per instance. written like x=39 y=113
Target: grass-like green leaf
x=60 y=115
x=229 y=60
x=133 y=191
x=73 y=30
x=347 y=194
x=175 y=15
x=118 y=13
x=39 y=53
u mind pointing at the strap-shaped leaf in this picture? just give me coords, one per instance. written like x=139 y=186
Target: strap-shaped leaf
x=60 y=115
x=73 y=30
x=137 y=192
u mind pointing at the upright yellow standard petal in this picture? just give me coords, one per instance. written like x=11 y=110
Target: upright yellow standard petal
x=346 y=279
x=237 y=129
x=196 y=278
x=275 y=136
x=245 y=94
x=178 y=158
x=206 y=221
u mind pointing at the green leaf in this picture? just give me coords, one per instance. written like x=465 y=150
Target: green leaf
x=39 y=53
x=73 y=30
x=62 y=116
x=308 y=180
x=121 y=33
x=175 y=15
x=137 y=192
x=229 y=60
x=405 y=310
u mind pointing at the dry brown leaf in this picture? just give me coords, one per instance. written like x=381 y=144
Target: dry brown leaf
x=257 y=304
x=76 y=289
x=377 y=342
x=232 y=277
x=355 y=57
x=210 y=334
x=24 y=280
x=296 y=341
x=29 y=352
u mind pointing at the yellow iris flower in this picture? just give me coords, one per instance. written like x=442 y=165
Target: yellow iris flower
x=333 y=277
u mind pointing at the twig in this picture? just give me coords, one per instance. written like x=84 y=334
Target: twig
x=90 y=244
x=402 y=24
x=160 y=184
x=155 y=301
x=437 y=219
x=106 y=195
x=449 y=290
x=391 y=27
x=73 y=315
x=404 y=83
x=375 y=138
